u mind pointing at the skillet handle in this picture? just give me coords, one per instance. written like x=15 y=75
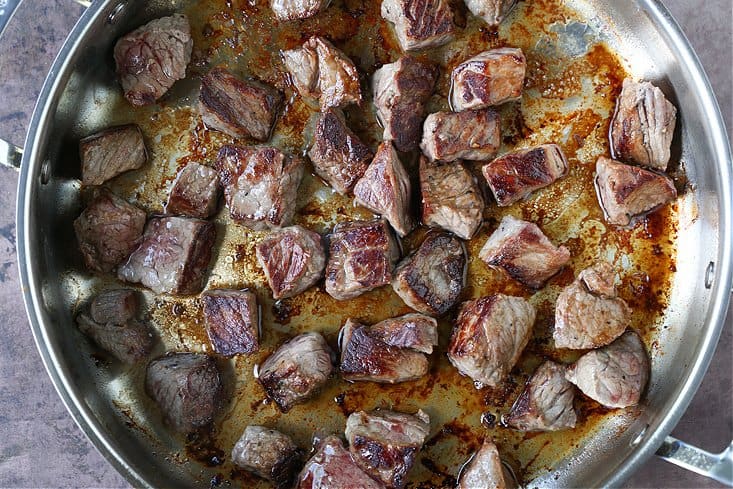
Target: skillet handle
x=10 y=155
x=718 y=466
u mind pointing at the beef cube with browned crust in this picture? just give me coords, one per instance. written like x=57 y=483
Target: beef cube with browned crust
x=489 y=335
x=236 y=107
x=296 y=370
x=492 y=11
x=626 y=191
x=338 y=155
x=385 y=443
x=515 y=175
x=385 y=189
x=260 y=185
x=293 y=260
x=433 y=276
x=362 y=256
x=489 y=78
x=187 y=387
x=321 y=72
x=195 y=192
x=332 y=467
x=468 y=135
x=484 y=470
x=415 y=331
x=108 y=153
x=108 y=230
x=366 y=358
x=420 y=23
x=643 y=125
x=173 y=256
x=401 y=91
x=451 y=198
x=546 y=403
x=269 y=454
x=153 y=57
x=297 y=9
x=231 y=319
x=521 y=251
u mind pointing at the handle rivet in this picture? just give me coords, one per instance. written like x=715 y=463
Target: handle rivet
x=709 y=275
x=638 y=439
x=45 y=174
x=115 y=12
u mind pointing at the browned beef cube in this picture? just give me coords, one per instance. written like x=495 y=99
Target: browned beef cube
x=296 y=370
x=492 y=11
x=108 y=153
x=484 y=470
x=433 y=276
x=546 y=403
x=195 y=192
x=338 y=155
x=332 y=467
x=643 y=125
x=153 y=57
x=269 y=454
x=260 y=185
x=173 y=257
x=297 y=9
x=490 y=78
x=451 y=198
x=385 y=189
x=187 y=388
x=112 y=323
x=415 y=331
x=401 y=91
x=625 y=191
x=232 y=321
x=320 y=71
x=520 y=250
x=488 y=337
x=468 y=135
x=515 y=175
x=420 y=23
x=385 y=443
x=362 y=255
x=365 y=357
x=588 y=314
x=293 y=260
x=108 y=230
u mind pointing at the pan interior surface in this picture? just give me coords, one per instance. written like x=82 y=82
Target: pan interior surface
x=578 y=53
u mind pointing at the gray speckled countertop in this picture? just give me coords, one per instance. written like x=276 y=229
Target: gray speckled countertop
x=40 y=446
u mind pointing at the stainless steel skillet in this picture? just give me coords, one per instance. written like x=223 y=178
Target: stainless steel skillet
x=653 y=49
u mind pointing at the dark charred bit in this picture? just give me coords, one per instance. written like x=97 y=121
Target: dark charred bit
x=488 y=420
x=448 y=480
x=201 y=445
x=216 y=480
x=284 y=310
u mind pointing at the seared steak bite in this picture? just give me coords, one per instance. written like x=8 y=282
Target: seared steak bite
x=153 y=57
x=187 y=388
x=338 y=155
x=492 y=11
x=520 y=250
x=269 y=454
x=108 y=230
x=293 y=260
x=260 y=185
x=297 y=9
x=296 y=370
x=588 y=314
x=173 y=257
x=433 y=276
x=420 y=23
x=236 y=107
x=643 y=125
x=625 y=191
x=332 y=467
x=546 y=404
x=488 y=337
x=614 y=375
x=111 y=322
x=415 y=331
x=110 y=152
x=320 y=71
x=385 y=189
x=490 y=78
x=484 y=470
x=468 y=135
x=515 y=175
x=231 y=318
x=401 y=90
x=195 y=192
x=385 y=443
x=451 y=198
x=362 y=256
x=365 y=357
